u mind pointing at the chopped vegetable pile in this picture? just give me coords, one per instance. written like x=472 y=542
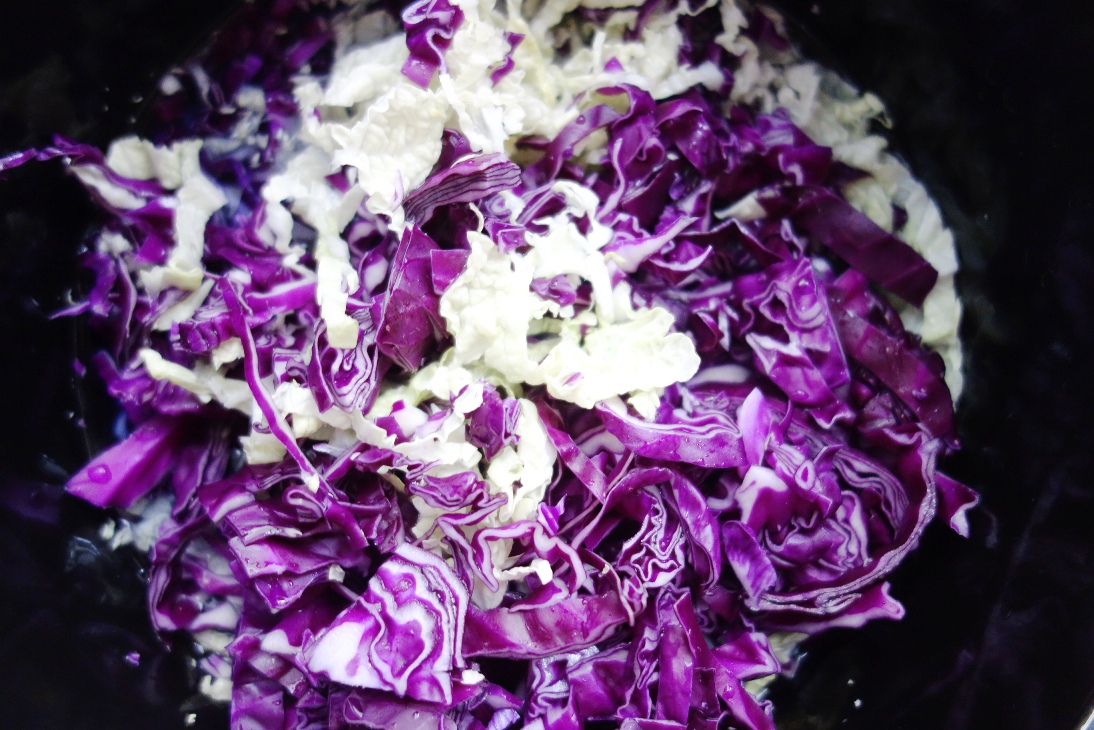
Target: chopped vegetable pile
x=515 y=366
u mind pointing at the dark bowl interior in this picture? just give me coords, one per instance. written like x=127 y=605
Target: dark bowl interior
x=992 y=101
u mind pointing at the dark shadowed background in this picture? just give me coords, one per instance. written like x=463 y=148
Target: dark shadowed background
x=993 y=102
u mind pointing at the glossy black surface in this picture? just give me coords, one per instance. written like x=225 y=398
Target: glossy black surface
x=989 y=101
x=993 y=102
x=71 y=614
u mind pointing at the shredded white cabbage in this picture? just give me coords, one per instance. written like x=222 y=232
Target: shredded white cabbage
x=382 y=133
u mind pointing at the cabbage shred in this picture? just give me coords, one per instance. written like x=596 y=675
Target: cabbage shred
x=599 y=337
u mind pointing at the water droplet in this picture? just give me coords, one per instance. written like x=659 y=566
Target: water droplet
x=100 y=474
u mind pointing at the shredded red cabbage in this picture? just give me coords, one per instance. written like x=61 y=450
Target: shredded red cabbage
x=393 y=519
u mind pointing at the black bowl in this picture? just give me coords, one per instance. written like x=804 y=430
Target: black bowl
x=992 y=101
